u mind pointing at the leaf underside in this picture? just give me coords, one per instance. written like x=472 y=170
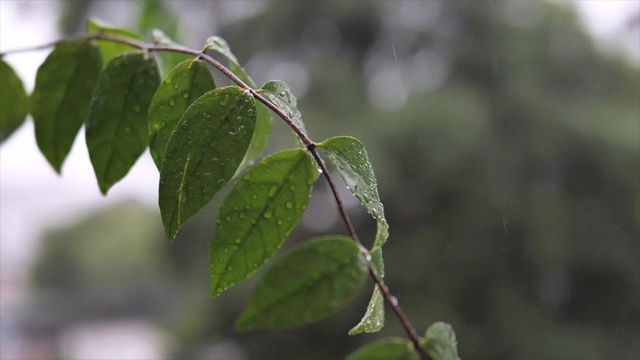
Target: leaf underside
x=279 y=93
x=13 y=99
x=61 y=97
x=258 y=215
x=117 y=130
x=440 y=342
x=373 y=319
x=204 y=152
x=310 y=283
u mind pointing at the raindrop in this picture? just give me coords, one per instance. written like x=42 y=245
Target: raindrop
x=267 y=214
x=168 y=80
x=279 y=222
x=237 y=240
x=393 y=301
x=273 y=190
x=185 y=95
x=172 y=102
x=289 y=205
x=219 y=289
x=227 y=219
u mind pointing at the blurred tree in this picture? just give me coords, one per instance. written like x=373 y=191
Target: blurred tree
x=507 y=150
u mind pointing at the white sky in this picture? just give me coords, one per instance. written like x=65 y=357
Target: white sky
x=33 y=197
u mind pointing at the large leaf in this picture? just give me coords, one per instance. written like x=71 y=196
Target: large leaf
x=258 y=215
x=309 y=284
x=351 y=159
x=204 y=152
x=280 y=95
x=184 y=84
x=61 y=97
x=264 y=122
x=117 y=130
x=111 y=49
x=440 y=342
x=386 y=349
x=373 y=319
x=14 y=102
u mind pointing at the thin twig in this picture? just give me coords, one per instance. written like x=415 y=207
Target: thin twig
x=309 y=144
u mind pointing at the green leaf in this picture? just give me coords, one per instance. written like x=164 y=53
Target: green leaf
x=167 y=59
x=14 y=100
x=204 y=152
x=280 y=95
x=264 y=122
x=440 y=342
x=258 y=215
x=350 y=158
x=117 y=131
x=309 y=284
x=184 y=84
x=111 y=49
x=61 y=97
x=386 y=349
x=373 y=319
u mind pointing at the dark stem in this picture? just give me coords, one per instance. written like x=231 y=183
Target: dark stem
x=309 y=144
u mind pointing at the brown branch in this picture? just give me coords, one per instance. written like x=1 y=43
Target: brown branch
x=309 y=144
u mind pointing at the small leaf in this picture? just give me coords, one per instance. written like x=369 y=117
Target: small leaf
x=351 y=159
x=280 y=95
x=111 y=49
x=258 y=215
x=167 y=59
x=14 y=100
x=386 y=349
x=373 y=319
x=440 y=342
x=61 y=97
x=184 y=84
x=309 y=284
x=117 y=131
x=204 y=152
x=264 y=122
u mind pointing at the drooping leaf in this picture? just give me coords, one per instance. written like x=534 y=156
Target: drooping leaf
x=14 y=101
x=184 y=84
x=280 y=95
x=204 y=152
x=258 y=215
x=117 y=131
x=309 y=284
x=350 y=158
x=386 y=349
x=264 y=121
x=61 y=97
x=373 y=319
x=167 y=59
x=440 y=342
x=111 y=49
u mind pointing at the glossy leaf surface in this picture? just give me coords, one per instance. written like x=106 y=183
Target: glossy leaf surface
x=386 y=349
x=352 y=162
x=309 y=284
x=258 y=215
x=280 y=95
x=61 y=97
x=13 y=99
x=373 y=319
x=110 y=49
x=117 y=131
x=184 y=84
x=264 y=121
x=440 y=342
x=204 y=152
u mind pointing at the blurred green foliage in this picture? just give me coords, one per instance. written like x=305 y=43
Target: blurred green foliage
x=507 y=150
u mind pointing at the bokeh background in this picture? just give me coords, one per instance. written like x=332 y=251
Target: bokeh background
x=505 y=139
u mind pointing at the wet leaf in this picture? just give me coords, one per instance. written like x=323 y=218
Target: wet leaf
x=386 y=349
x=264 y=122
x=14 y=100
x=280 y=95
x=117 y=131
x=61 y=97
x=204 y=152
x=184 y=84
x=350 y=158
x=258 y=215
x=310 y=283
x=373 y=319
x=440 y=342
x=111 y=49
